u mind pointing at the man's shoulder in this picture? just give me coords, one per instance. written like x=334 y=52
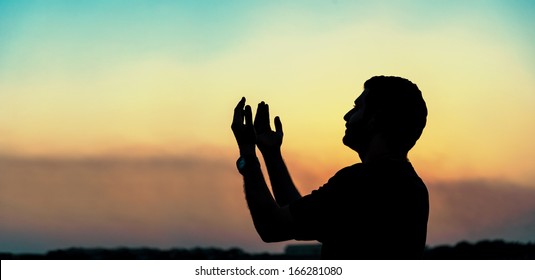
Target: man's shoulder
x=346 y=176
x=351 y=170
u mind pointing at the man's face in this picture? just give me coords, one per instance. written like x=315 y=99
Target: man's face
x=357 y=131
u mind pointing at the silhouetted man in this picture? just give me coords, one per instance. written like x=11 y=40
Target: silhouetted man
x=377 y=209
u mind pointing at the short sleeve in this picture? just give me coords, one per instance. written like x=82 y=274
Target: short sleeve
x=309 y=213
x=313 y=214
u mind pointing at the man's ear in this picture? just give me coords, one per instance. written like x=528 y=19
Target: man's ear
x=374 y=123
x=379 y=122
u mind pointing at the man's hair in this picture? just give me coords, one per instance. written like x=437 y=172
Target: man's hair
x=399 y=110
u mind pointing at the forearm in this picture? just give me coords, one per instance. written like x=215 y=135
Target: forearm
x=282 y=184
x=265 y=212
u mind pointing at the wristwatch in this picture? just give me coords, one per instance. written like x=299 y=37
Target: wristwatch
x=245 y=163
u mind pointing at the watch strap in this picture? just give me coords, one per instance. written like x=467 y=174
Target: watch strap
x=245 y=163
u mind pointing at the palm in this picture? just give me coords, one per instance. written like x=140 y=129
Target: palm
x=266 y=138
x=269 y=139
x=243 y=132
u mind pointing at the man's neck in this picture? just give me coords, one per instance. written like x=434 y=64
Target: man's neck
x=379 y=151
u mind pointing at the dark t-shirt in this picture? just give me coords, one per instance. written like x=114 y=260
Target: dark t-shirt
x=366 y=211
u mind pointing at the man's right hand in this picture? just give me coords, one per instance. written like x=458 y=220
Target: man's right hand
x=267 y=140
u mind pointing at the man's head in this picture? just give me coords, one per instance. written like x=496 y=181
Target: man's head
x=391 y=107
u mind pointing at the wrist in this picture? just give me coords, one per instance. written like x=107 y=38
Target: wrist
x=248 y=150
x=272 y=153
x=247 y=163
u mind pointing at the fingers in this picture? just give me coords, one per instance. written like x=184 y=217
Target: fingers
x=258 y=118
x=238 y=113
x=240 y=105
x=248 y=116
x=261 y=122
x=278 y=125
x=266 y=115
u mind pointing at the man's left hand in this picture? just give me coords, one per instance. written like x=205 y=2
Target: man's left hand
x=244 y=132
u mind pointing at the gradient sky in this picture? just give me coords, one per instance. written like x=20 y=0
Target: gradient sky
x=92 y=84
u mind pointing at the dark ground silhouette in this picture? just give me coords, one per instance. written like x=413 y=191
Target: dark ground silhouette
x=482 y=250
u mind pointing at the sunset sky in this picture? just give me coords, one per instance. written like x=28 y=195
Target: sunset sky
x=115 y=115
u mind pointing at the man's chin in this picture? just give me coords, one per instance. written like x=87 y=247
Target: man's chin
x=347 y=141
x=350 y=143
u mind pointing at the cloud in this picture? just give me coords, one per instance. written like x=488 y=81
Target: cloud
x=157 y=201
x=187 y=201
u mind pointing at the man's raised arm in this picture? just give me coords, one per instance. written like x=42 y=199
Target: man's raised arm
x=269 y=142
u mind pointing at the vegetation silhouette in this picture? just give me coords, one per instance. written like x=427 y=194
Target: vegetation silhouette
x=482 y=250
